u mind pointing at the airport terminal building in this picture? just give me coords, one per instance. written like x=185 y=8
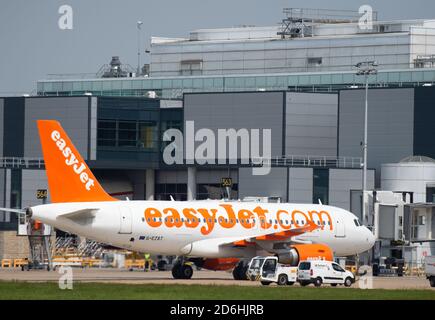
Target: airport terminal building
x=304 y=89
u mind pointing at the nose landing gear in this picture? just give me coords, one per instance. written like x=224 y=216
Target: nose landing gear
x=182 y=269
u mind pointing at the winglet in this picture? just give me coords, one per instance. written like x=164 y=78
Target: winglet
x=69 y=177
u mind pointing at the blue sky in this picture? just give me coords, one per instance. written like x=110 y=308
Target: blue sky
x=32 y=45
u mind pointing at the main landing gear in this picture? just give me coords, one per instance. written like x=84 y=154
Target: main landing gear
x=182 y=269
x=239 y=272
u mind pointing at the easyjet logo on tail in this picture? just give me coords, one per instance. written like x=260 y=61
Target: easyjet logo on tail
x=71 y=160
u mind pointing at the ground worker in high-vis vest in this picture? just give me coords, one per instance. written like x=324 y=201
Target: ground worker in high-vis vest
x=148 y=262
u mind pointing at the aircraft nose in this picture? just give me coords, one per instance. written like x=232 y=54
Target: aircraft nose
x=370 y=238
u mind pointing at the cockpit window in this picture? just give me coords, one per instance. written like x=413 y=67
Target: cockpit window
x=357 y=223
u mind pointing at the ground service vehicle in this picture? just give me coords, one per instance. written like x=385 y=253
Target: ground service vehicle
x=213 y=234
x=321 y=271
x=268 y=270
x=429 y=268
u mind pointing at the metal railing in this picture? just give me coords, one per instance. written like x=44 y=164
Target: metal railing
x=310 y=161
x=21 y=163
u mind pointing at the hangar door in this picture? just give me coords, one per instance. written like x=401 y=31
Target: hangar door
x=125 y=217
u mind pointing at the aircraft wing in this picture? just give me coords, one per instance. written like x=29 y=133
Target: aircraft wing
x=203 y=247
x=272 y=236
x=12 y=210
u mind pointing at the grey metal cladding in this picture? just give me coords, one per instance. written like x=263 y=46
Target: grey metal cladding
x=390 y=124
x=32 y=180
x=311 y=124
x=300 y=185
x=341 y=181
x=1 y=126
x=253 y=110
x=71 y=112
x=272 y=185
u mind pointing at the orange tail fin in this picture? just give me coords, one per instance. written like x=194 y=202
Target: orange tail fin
x=69 y=177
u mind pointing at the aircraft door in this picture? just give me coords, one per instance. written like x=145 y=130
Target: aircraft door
x=125 y=216
x=340 y=228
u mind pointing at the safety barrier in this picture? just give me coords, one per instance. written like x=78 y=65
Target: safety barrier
x=7 y=263
x=131 y=264
x=18 y=263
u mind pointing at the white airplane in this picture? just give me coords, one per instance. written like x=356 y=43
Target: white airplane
x=215 y=235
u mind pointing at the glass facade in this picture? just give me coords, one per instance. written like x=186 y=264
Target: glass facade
x=321 y=185
x=129 y=129
x=164 y=191
x=9 y=220
x=174 y=87
x=130 y=134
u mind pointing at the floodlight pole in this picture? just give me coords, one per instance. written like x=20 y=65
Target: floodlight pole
x=364 y=186
x=138 y=24
x=365 y=68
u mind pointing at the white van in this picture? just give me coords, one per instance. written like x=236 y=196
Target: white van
x=321 y=271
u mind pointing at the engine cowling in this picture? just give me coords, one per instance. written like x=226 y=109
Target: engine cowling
x=300 y=252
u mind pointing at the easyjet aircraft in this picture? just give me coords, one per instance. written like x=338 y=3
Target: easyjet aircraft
x=212 y=234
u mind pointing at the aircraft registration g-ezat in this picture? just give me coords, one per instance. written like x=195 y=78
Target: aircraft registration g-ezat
x=213 y=234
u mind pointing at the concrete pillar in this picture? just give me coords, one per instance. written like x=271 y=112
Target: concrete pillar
x=191 y=183
x=149 y=184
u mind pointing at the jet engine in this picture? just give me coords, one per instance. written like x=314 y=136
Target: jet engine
x=300 y=252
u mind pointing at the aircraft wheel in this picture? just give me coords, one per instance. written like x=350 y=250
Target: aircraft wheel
x=176 y=271
x=239 y=272
x=186 y=271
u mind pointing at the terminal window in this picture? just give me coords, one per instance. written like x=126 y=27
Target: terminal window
x=123 y=133
x=191 y=67
x=314 y=62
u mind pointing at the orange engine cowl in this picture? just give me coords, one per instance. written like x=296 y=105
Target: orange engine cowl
x=300 y=252
x=220 y=263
